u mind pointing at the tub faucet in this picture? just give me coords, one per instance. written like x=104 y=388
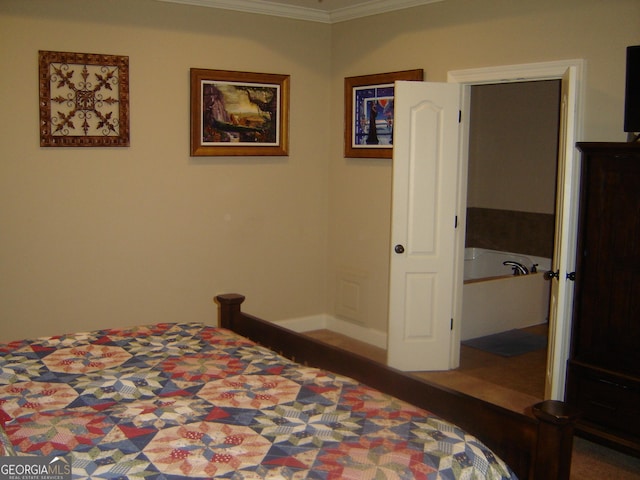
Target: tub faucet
x=518 y=268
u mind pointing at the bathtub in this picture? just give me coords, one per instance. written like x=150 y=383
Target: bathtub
x=494 y=300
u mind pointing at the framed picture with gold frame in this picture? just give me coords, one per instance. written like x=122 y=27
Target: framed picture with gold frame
x=84 y=99
x=369 y=104
x=239 y=113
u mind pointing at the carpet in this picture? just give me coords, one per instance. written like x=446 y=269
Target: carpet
x=509 y=344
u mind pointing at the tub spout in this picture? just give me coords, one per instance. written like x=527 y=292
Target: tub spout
x=518 y=268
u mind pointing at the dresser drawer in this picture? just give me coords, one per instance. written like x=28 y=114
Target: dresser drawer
x=605 y=399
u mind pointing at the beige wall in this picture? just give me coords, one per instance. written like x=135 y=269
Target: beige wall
x=513 y=146
x=95 y=237
x=102 y=237
x=452 y=35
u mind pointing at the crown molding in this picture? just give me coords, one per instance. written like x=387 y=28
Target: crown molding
x=263 y=8
x=374 y=7
x=371 y=7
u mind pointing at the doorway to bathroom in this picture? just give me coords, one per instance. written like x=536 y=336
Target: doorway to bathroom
x=407 y=307
x=570 y=73
x=511 y=202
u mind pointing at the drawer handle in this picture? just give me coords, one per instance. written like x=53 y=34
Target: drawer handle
x=613 y=384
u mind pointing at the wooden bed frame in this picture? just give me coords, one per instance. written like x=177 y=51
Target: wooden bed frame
x=537 y=445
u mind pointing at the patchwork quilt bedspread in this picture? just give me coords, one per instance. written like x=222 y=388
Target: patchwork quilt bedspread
x=173 y=401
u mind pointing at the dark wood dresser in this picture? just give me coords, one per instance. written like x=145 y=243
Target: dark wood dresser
x=604 y=367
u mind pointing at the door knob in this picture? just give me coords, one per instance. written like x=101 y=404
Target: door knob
x=399 y=248
x=550 y=274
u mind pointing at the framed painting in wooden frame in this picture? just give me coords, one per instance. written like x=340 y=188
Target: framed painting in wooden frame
x=369 y=103
x=84 y=99
x=239 y=113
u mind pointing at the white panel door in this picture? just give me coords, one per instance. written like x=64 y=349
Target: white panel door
x=561 y=295
x=423 y=230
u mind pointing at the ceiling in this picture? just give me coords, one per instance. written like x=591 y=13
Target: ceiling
x=324 y=11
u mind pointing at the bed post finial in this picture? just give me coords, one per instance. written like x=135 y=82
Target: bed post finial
x=555 y=439
x=229 y=308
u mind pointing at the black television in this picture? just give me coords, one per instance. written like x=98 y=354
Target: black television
x=632 y=93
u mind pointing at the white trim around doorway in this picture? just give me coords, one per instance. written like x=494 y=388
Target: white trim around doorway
x=552 y=70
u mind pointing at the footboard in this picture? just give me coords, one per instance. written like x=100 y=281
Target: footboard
x=536 y=445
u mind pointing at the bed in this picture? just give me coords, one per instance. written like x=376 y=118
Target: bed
x=186 y=400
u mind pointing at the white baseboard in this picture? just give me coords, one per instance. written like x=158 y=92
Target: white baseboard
x=328 y=322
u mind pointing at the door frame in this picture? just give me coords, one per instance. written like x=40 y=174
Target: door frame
x=555 y=70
